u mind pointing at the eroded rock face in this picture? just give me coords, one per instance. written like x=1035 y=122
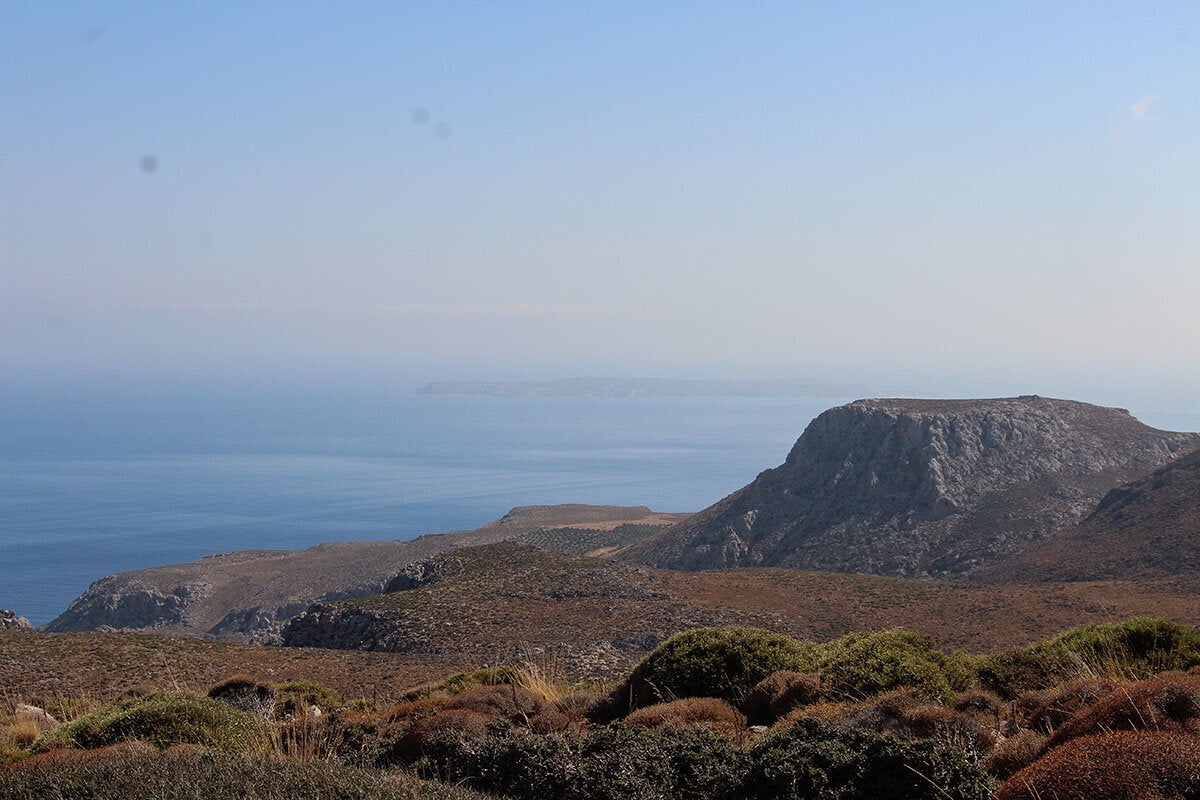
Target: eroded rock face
x=9 y=621
x=921 y=487
x=117 y=605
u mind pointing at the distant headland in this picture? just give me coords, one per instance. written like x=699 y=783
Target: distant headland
x=639 y=387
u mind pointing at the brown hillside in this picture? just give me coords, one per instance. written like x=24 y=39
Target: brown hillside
x=248 y=595
x=1145 y=529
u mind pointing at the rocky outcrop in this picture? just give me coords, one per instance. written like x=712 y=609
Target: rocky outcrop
x=921 y=488
x=111 y=604
x=9 y=621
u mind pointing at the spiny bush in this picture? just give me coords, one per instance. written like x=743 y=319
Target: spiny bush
x=1045 y=712
x=163 y=720
x=612 y=763
x=246 y=695
x=1015 y=753
x=713 y=662
x=1169 y=703
x=1135 y=649
x=864 y=664
x=780 y=692
x=133 y=773
x=812 y=760
x=692 y=712
x=1146 y=765
x=295 y=697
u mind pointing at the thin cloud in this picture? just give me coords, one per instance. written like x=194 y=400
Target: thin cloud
x=1136 y=117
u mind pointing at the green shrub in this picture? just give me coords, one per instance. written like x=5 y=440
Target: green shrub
x=714 y=662
x=612 y=763
x=163 y=720
x=865 y=664
x=812 y=761
x=294 y=697
x=134 y=774
x=1137 y=648
x=460 y=682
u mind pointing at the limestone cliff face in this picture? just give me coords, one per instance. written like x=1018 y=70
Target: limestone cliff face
x=920 y=487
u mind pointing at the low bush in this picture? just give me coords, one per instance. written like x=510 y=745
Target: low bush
x=246 y=695
x=780 y=692
x=1015 y=753
x=725 y=663
x=296 y=697
x=865 y=664
x=612 y=763
x=1169 y=703
x=1045 y=712
x=812 y=760
x=141 y=773
x=163 y=720
x=1146 y=765
x=1135 y=649
x=692 y=712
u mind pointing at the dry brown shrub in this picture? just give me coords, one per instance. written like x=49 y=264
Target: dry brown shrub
x=1168 y=703
x=692 y=712
x=961 y=730
x=1046 y=711
x=1125 y=765
x=1015 y=753
x=779 y=693
x=981 y=704
x=508 y=702
x=407 y=712
x=828 y=711
x=70 y=756
x=409 y=746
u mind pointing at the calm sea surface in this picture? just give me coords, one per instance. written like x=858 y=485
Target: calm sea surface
x=93 y=486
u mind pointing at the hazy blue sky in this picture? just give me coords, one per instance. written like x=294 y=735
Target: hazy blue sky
x=1003 y=196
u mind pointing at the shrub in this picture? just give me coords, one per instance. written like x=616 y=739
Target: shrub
x=812 y=760
x=414 y=741
x=163 y=720
x=613 y=763
x=864 y=664
x=510 y=703
x=713 y=662
x=245 y=695
x=1137 y=648
x=1046 y=711
x=133 y=773
x=1169 y=703
x=295 y=697
x=780 y=692
x=460 y=682
x=1015 y=753
x=692 y=712
x=1147 y=765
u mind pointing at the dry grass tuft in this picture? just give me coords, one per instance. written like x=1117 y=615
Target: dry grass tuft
x=781 y=692
x=708 y=713
x=1168 y=703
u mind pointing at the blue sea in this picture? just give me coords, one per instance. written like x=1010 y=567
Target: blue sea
x=101 y=483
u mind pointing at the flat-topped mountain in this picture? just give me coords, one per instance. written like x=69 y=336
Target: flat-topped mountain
x=921 y=487
x=249 y=595
x=1146 y=529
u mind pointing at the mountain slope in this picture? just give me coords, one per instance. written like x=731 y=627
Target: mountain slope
x=1145 y=529
x=920 y=487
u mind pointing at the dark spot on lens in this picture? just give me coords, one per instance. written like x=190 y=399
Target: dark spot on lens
x=149 y=164
x=441 y=130
x=420 y=116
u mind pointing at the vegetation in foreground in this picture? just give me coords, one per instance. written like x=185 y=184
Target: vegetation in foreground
x=1100 y=711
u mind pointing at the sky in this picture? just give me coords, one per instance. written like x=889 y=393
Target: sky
x=934 y=196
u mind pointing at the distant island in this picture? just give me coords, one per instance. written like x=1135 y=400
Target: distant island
x=639 y=387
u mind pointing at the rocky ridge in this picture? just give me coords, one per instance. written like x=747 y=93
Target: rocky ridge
x=921 y=488
x=248 y=596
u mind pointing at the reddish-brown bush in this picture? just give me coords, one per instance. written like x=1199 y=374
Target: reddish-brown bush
x=1015 y=753
x=1046 y=711
x=407 y=712
x=692 y=712
x=1125 y=765
x=1167 y=703
x=981 y=704
x=410 y=745
x=511 y=703
x=780 y=692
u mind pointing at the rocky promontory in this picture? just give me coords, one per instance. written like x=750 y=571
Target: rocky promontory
x=921 y=488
